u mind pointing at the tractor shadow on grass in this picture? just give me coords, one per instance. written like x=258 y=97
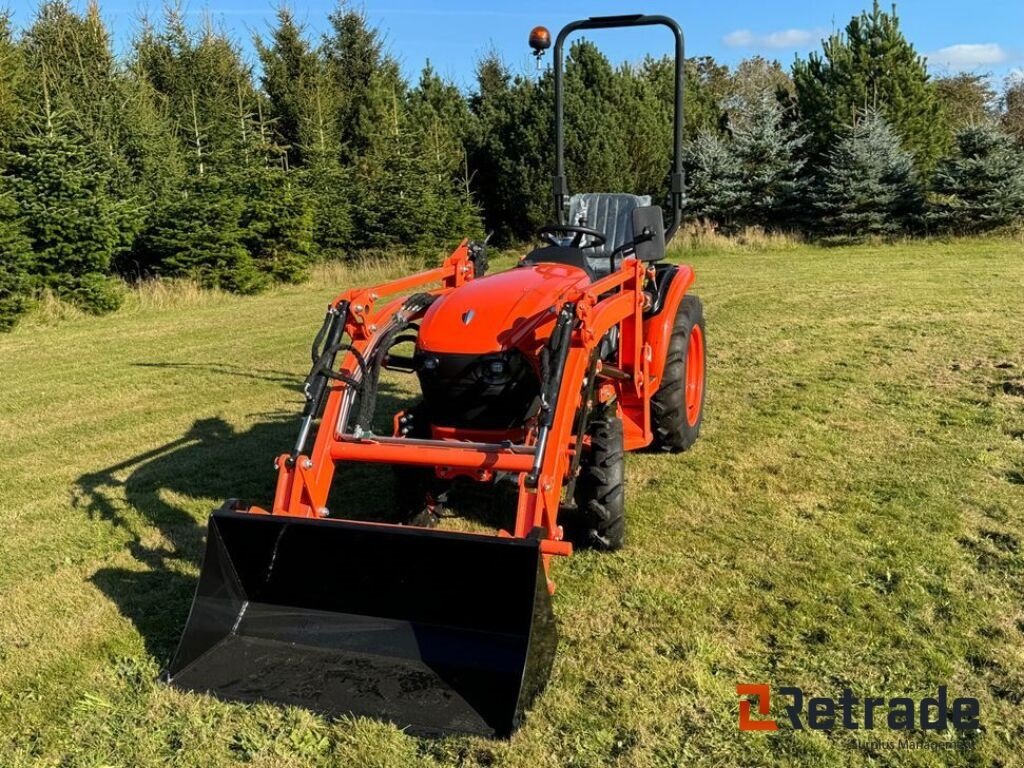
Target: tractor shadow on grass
x=154 y=497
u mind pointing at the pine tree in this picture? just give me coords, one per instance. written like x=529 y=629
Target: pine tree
x=870 y=66
x=869 y=186
x=980 y=186
x=15 y=261
x=646 y=135
x=511 y=150
x=595 y=148
x=705 y=87
x=76 y=225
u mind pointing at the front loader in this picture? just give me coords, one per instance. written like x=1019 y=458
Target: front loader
x=543 y=375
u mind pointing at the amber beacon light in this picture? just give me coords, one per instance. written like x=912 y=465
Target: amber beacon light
x=540 y=40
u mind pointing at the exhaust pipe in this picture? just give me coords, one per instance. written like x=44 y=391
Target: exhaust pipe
x=437 y=632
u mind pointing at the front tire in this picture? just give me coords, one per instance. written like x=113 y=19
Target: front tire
x=601 y=487
x=677 y=408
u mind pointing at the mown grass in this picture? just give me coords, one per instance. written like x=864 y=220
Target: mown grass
x=853 y=515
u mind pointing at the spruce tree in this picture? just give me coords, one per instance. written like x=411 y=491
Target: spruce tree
x=980 y=186
x=293 y=80
x=15 y=261
x=870 y=66
x=443 y=124
x=393 y=205
x=149 y=144
x=359 y=72
x=439 y=101
x=491 y=105
x=303 y=111
x=69 y=56
x=70 y=70
x=277 y=223
x=869 y=187
x=236 y=223
x=714 y=180
x=75 y=223
x=199 y=234
x=766 y=149
x=208 y=88
x=11 y=74
x=330 y=198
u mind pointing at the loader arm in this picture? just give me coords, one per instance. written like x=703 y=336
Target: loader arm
x=543 y=462
x=304 y=480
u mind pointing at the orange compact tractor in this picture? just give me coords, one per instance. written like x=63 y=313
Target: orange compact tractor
x=543 y=375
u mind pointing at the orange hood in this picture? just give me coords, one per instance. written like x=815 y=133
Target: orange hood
x=499 y=311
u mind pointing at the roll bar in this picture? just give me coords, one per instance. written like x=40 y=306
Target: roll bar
x=561 y=188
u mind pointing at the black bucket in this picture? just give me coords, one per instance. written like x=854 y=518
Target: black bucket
x=435 y=631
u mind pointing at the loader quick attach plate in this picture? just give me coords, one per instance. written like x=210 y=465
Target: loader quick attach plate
x=435 y=631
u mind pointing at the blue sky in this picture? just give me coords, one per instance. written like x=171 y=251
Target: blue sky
x=983 y=35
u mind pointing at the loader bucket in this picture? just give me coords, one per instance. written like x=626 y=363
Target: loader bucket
x=435 y=631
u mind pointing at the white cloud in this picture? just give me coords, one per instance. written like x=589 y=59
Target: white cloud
x=969 y=55
x=741 y=38
x=785 y=38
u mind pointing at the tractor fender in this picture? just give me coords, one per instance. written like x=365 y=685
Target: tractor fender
x=658 y=327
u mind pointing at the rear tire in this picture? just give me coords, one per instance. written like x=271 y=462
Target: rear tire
x=600 y=489
x=677 y=408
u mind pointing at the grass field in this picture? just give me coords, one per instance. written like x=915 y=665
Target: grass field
x=853 y=515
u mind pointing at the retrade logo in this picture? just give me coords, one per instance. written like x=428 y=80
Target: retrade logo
x=761 y=691
x=849 y=712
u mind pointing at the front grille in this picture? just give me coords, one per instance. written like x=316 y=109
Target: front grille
x=495 y=391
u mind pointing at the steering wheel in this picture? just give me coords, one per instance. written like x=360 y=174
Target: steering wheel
x=547 y=234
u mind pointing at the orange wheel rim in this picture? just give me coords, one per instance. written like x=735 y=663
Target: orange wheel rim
x=694 y=375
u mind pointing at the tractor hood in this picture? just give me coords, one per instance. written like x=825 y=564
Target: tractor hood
x=491 y=313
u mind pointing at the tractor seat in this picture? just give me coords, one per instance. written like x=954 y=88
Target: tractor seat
x=608 y=212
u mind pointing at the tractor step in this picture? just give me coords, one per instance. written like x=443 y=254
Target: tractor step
x=435 y=631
